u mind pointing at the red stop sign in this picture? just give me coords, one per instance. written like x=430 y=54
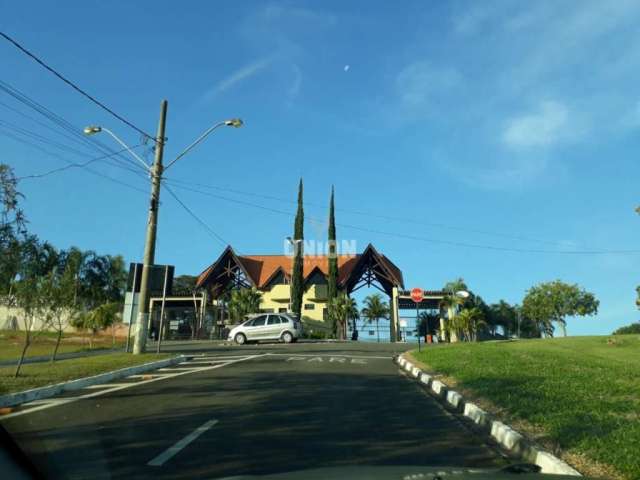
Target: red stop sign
x=417 y=294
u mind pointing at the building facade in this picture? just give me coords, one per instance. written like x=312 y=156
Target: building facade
x=271 y=275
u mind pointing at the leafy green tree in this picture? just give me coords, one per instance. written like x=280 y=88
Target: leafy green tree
x=184 y=283
x=60 y=294
x=469 y=322
x=12 y=228
x=628 y=329
x=343 y=309
x=29 y=290
x=243 y=302
x=450 y=304
x=98 y=319
x=297 y=281
x=551 y=302
x=374 y=309
x=504 y=315
x=332 y=278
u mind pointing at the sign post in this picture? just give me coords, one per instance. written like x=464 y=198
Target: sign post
x=417 y=295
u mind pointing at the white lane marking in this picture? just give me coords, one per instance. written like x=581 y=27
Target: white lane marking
x=341 y=360
x=61 y=401
x=171 y=451
x=105 y=385
x=300 y=356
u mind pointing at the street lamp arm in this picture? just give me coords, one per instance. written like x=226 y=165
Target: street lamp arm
x=237 y=123
x=133 y=154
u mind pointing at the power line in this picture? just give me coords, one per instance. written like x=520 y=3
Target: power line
x=58 y=156
x=73 y=85
x=373 y=215
x=420 y=238
x=94 y=172
x=210 y=230
x=71 y=165
x=61 y=122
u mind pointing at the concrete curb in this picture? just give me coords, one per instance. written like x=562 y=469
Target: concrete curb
x=12 y=399
x=514 y=442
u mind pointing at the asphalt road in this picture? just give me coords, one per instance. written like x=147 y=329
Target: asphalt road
x=248 y=410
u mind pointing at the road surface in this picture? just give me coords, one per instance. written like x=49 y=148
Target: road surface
x=248 y=410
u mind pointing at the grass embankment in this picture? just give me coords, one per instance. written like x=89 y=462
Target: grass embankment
x=11 y=343
x=41 y=374
x=578 y=396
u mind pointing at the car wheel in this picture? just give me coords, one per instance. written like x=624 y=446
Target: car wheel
x=240 y=339
x=287 y=337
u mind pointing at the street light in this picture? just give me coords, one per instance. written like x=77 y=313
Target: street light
x=155 y=171
x=93 y=129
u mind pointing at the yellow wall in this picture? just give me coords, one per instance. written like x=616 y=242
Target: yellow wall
x=278 y=296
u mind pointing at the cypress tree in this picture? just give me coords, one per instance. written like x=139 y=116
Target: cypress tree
x=332 y=280
x=297 y=287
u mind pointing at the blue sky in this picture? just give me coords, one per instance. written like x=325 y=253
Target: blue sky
x=450 y=131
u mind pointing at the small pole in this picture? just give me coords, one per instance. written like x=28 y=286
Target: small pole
x=133 y=297
x=164 y=296
x=418 y=324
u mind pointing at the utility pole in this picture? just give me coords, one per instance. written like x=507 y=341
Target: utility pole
x=140 y=342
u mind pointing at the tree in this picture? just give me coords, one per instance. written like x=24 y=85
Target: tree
x=332 y=278
x=629 y=329
x=29 y=290
x=504 y=315
x=297 y=281
x=99 y=318
x=450 y=304
x=342 y=309
x=374 y=309
x=242 y=302
x=60 y=294
x=427 y=323
x=551 y=302
x=184 y=283
x=12 y=228
x=469 y=322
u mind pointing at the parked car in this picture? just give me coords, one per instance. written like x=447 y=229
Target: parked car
x=272 y=326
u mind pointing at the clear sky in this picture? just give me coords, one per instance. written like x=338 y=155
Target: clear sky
x=475 y=139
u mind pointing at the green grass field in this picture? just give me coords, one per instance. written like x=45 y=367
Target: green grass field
x=39 y=375
x=579 y=394
x=11 y=344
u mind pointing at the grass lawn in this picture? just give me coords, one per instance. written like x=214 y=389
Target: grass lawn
x=578 y=395
x=11 y=343
x=41 y=374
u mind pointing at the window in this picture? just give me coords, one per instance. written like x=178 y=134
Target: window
x=282 y=310
x=325 y=314
x=273 y=320
x=266 y=310
x=309 y=306
x=258 y=321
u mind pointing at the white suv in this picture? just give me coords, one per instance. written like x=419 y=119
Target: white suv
x=272 y=326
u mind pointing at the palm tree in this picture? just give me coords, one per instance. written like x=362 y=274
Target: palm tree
x=375 y=308
x=450 y=304
x=243 y=302
x=342 y=309
x=469 y=321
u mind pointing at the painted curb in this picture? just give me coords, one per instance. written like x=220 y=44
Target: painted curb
x=12 y=399
x=506 y=436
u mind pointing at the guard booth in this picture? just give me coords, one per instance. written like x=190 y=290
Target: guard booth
x=409 y=312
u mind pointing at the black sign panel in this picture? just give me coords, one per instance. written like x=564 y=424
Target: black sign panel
x=156 y=279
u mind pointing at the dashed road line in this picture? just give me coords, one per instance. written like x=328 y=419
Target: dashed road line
x=175 y=448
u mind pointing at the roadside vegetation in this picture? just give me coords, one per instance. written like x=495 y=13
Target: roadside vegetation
x=46 y=289
x=11 y=343
x=579 y=396
x=42 y=374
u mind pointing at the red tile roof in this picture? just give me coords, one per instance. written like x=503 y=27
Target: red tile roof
x=262 y=267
